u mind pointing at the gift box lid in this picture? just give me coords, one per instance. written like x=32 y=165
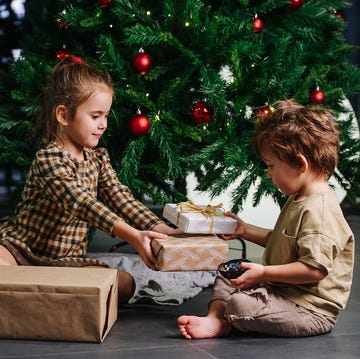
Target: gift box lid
x=56 y=279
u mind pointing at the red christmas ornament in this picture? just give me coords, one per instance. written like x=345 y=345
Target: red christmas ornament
x=61 y=24
x=258 y=24
x=139 y=124
x=201 y=112
x=77 y=59
x=263 y=111
x=61 y=54
x=339 y=15
x=317 y=97
x=104 y=3
x=296 y=4
x=141 y=62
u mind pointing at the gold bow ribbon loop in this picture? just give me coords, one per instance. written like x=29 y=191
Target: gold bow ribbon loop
x=208 y=211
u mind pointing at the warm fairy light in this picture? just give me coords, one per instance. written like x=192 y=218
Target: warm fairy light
x=187 y=24
x=148 y=12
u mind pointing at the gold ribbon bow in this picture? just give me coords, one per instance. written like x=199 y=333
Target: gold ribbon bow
x=208 y=211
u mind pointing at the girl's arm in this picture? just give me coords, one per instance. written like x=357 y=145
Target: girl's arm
x=164 y=228
x=119 y=199
x=140 y=240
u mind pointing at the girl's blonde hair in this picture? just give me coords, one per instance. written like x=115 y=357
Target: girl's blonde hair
x=292 y=130
x=71 y=82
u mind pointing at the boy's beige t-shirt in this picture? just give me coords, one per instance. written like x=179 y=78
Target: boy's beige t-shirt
x=315 y=232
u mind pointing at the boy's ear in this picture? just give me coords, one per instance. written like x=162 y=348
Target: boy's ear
x=303 y=164
x=61 y=113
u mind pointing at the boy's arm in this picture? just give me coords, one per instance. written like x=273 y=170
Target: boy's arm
x=247 y=231
x=256 y=234
x=291 y=273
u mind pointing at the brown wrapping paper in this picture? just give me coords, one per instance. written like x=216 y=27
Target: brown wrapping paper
x=53 y=303
x=190 y=252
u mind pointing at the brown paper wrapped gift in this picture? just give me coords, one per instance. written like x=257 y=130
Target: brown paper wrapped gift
x=53 y=303
x=190 y=252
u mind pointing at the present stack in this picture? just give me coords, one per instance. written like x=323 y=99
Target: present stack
x=199 y=248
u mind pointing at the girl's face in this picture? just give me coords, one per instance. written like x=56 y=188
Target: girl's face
x=285 y=177
x=88 y=124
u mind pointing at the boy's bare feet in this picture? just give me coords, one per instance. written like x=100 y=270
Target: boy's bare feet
x=203 y=327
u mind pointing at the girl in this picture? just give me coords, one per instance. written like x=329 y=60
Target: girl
x=72 y=186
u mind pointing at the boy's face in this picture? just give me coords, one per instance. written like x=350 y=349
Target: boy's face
x=287 y=178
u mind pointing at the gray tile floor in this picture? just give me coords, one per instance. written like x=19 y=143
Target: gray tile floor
x=150 y=331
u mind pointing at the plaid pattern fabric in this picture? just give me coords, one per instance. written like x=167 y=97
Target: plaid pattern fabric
x=62 y=198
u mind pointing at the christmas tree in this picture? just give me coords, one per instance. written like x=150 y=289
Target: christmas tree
x=11 y=29
x=190 y=78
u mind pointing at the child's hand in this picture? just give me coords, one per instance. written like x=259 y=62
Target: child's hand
x=240 y=229
x=143 y=247
x=254 y=274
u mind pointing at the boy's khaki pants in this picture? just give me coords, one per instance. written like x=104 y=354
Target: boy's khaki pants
x=261 y=310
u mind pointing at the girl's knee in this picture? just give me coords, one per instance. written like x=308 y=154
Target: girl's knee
x=126 y=286
x=6 y=258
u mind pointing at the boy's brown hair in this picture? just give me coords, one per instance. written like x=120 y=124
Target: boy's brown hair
x=292 y=130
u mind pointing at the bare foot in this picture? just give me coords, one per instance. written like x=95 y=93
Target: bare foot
x=202 y=327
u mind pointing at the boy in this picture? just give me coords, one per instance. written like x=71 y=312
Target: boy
x=307 y=268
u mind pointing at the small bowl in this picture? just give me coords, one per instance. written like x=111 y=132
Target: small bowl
x=231 y=269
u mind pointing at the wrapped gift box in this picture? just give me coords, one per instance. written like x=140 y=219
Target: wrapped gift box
x=185 y=253
x=189 y=220
x=53 y=303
